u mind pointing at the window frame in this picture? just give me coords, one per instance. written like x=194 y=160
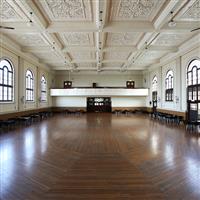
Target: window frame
x=169 y=86
x=7 y=85
x=193 y=88
x=155 y=89
x=31 y=88
x=43 y=92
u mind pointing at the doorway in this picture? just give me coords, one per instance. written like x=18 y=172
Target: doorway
x=99 y=104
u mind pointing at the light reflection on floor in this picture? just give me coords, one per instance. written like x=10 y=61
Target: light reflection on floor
x=7 y=159
x=29 y=147
x=34 y=142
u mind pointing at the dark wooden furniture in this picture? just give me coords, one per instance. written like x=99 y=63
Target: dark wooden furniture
x=130 y=84
x=99 y=104
x=67 y=84
x=94 y=85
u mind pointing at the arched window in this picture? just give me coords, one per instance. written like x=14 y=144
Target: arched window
x=6 y=81
x=29 y=86
x=43 y=89
x=169 y=85
x=154 y=83
x=193 y=80
x=154 y=88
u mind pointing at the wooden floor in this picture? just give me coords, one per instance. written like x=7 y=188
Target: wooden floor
x=99 y=156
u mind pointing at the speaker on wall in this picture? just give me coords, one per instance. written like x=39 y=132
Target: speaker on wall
x=130 y=84
x=94 y=85
x=67 y=84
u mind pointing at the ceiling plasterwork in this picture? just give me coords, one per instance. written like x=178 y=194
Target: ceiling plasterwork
x=49 y=57
x=116 y=55
x=86 y=65
x=112 y=65
x=135 y=9
x=193 y=13
x=170 y=39
x=77 y=39
x=99 y=34
x=67 y=10
x=28 y=39
x=82 y=55
x=150 y=55
x=7 y=12
x=120 y=39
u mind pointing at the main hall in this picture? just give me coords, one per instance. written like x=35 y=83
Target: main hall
x=99 y=99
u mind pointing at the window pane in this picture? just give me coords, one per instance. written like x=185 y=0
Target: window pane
x=5 y=93
x=193 y=106
x=190 y=78
x=194 y=94
x=172 y=82
x=198 y=93
x=9 y=78
x=29 y=85
x=1 y=93
x=194 y=75
x=9 y=94
x=198 y=76
x=1 y=76
x=5 y=76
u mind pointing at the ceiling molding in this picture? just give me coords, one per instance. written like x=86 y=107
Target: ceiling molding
x=98 y=34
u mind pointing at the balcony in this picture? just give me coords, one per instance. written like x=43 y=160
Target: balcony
x=99 y=92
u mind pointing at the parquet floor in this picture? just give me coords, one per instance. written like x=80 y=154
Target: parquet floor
x=99 y=156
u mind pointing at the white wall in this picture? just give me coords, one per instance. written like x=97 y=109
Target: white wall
x=128 y=101
x=179 y=66
x=13 y=106
x=102 y=80
x=82 y=101
x=69 y=101
x=20 y=66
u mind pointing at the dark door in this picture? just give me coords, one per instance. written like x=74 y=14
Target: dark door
x=154 y=101
x=99 y=104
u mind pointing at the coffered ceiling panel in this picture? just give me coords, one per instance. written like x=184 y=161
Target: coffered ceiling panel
x=121 y=39
x=29 y=39
x=67 y=10
x=82 y=55
x=86 y=65
x=135 y=9
x=7 y=12
x=95 y=34
x=50 y=56
x=169 y=39
x=193 y=13
x=112 y=65
x=116 y=55
x=77 y=39
x=150 y=55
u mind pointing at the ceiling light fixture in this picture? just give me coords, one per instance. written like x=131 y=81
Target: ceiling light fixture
x=171 y=23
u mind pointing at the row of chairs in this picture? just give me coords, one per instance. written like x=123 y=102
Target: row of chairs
x=193 y=126
x=74 y=112
x=23 y=120
x=167 y=118
x=126 y=112
x=69 y=112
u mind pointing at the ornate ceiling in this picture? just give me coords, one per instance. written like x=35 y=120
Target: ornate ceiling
x=96 y=35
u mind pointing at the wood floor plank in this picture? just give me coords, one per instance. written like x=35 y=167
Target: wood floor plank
x=99 y=156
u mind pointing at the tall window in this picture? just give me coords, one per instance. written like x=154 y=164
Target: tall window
x=43 y=89
x=29 y=86
x=6 y=81
x=154 y=88
x=169 y=84
x=193 y=80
